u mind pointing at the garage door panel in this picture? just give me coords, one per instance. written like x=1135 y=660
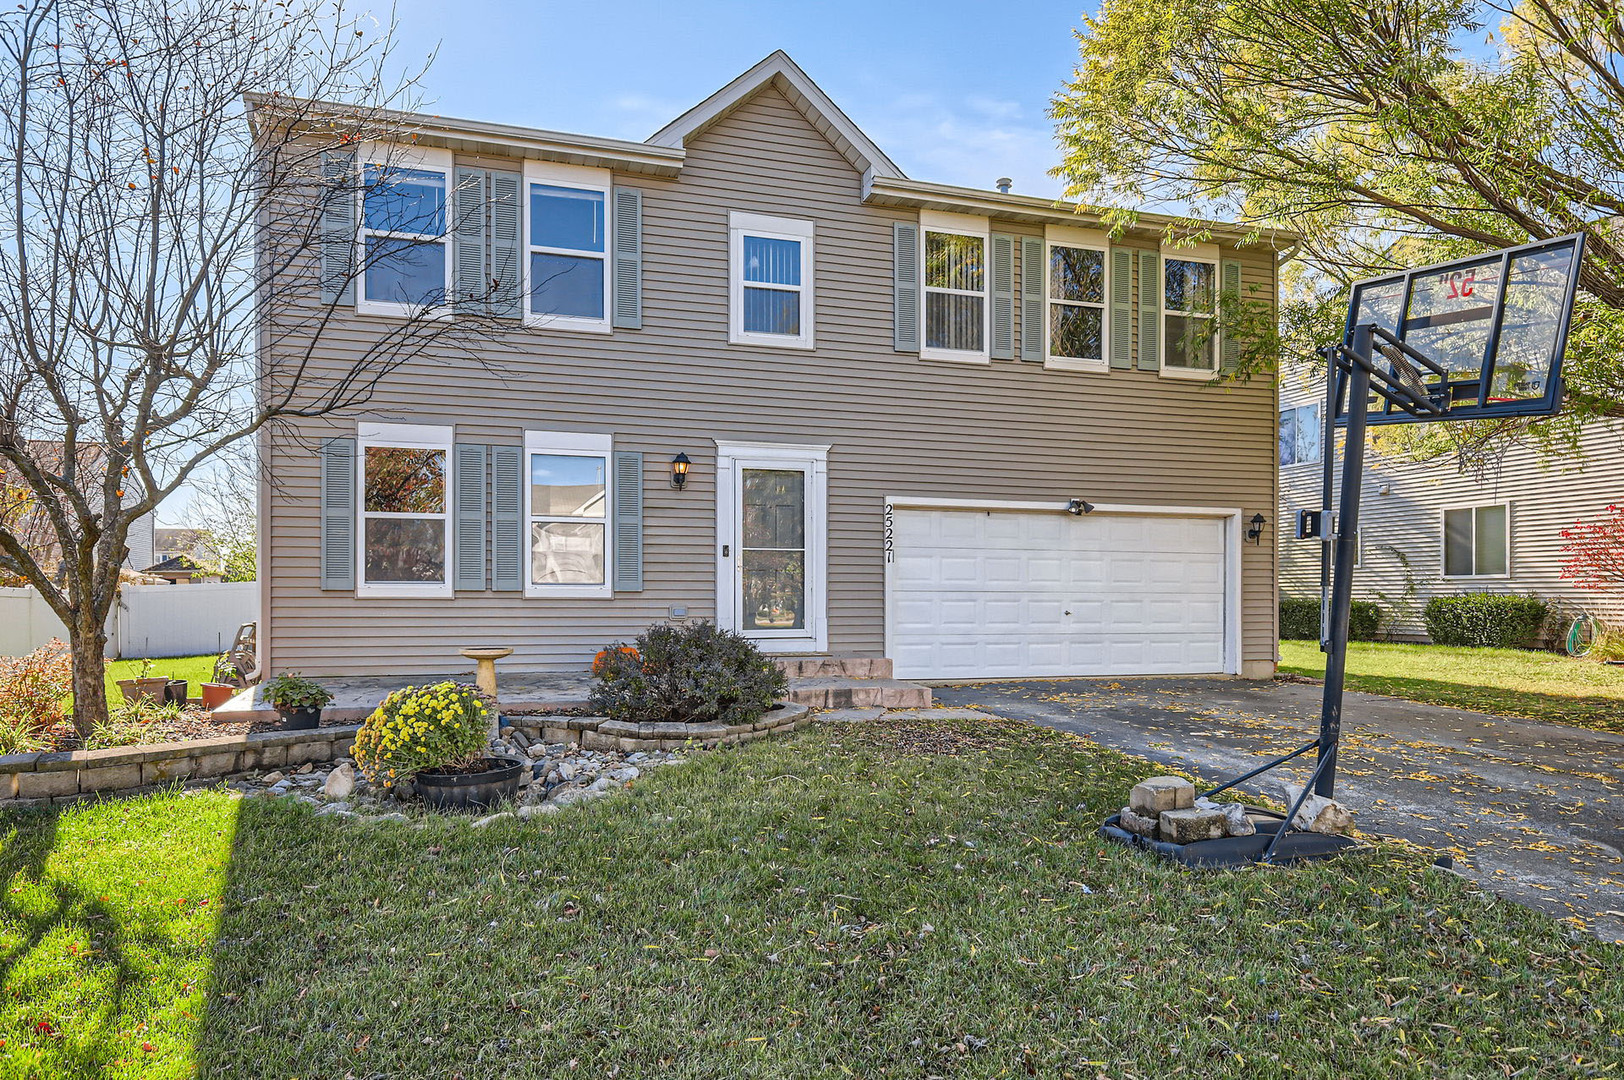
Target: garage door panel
x=1022 y=594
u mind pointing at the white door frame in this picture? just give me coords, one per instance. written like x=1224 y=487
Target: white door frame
x=1232 y=546
x=732 y=458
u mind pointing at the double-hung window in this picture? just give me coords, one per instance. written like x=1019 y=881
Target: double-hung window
x=404 y=486
x=566 y=247
x=405 y=258
x=955 y=288
x=1189 y=316
x=1076 y=298
x=770 y=281
x=1301 y=434
x=567 y=501
x=1477 y=541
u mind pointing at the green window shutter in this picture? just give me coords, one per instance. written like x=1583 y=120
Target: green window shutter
x=628 y=259
x=1230 y=345
x=1003 y=297
x=1150 y=311
x=471 y=279
x=468 y=494
x=1034 y=298
x=507 y=535
x=338 y=514
x=338 y=228
x=628 y=538
x=905 y=286
x=506 y=204
x=1121 y=308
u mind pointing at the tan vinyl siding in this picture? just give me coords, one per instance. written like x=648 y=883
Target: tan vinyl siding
x=897 y=425
x=1401 y=523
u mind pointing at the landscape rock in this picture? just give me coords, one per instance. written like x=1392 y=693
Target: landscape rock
x=1189 y=825
x=528 y=812
x=340 y=783
x=626 y=774
x=1139 y=824
x=1236 y=823
x=491 y=819
x=273 y=777
x=1317 y=813
x=1160 y=793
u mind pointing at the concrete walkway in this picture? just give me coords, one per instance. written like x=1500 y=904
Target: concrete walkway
x=1533 y=811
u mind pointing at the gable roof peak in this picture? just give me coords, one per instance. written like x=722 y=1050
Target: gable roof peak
x=778 y=69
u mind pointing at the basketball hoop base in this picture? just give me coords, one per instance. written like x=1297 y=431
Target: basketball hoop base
x=1236 y=852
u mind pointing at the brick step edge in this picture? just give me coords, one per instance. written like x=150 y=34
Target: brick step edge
x=859 y=694
x=835 y=667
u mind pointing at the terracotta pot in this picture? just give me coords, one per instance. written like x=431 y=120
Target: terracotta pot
x=128 y=688
x=216 y=694
x=152 y=689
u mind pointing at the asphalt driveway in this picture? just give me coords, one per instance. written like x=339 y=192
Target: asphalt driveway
x=1533 y=811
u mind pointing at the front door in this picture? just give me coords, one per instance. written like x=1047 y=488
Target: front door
x=770 y=544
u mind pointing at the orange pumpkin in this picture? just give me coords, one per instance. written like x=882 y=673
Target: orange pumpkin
x=599 y=661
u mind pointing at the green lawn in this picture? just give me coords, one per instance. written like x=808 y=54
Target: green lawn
x=1507 y=682
x=928 y=900
x=196 y=670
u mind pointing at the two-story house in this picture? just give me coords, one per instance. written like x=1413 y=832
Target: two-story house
x=764 y=378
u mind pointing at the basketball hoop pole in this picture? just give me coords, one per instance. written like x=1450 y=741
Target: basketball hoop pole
x=1344 y=553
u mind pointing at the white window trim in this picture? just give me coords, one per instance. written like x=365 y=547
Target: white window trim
x=740 y=225
x=959 y=225
x=412 y=437
x=732 y=458
x=1087 y=240
x=1320 y=421
x=1443 y=542
x=585 y=179
x=426 y=159
x=1200 y=253
x=571 y=444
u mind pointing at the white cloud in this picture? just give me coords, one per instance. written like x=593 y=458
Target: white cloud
x=971 y=142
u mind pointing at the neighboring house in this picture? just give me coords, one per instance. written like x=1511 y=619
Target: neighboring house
x=182 y=570
x=169 y=542
x=1436 y=529
x=897 y=397
x=35 y=528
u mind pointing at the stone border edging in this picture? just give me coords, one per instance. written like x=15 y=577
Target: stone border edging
x=602 y=733
x=67 y=776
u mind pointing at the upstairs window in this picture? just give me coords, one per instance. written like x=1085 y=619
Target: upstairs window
x=567 y=280
x=955 y=295
x=770 y=281
x=405 y=261
x=1477 y=541
x=1301 y=434
x=1077 y=308
x=1189 y=317
x=405 y=529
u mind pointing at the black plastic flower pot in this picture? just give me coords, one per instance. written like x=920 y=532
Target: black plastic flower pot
x=299 y=719
x=498 y=780
x=175 y=691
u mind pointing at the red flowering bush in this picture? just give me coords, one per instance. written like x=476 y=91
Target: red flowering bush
x=1593 y=551
x=33 y=689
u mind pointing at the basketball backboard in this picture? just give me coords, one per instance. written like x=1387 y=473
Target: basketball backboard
x=1474 y=338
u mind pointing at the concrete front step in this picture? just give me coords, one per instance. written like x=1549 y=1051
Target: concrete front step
x=836 y=667
x=834 y=692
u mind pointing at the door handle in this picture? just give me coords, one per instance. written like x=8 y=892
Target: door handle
x=724 y=551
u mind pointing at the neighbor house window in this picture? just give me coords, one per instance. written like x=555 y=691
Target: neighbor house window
x=770 y=281
x=955 y=294
x=1477 y=541
x=566 y=276
x=1077 y=307
x=1189 y=317
x=404 y=488
x=1301 y=434
x=567 y=505
x=405 y=249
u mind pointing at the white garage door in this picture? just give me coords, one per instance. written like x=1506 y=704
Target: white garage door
x=973 y=594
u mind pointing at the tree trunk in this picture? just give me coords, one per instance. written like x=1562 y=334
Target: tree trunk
x=88 y=636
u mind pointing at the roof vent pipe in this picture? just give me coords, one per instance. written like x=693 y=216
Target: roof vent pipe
x=1003 y=184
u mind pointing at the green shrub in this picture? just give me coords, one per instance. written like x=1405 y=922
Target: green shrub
x=1300 y=619
x=1486 y=619
x=290 y=690
x=695 y=674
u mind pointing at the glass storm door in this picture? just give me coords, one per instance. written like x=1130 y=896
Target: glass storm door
x=770 y=533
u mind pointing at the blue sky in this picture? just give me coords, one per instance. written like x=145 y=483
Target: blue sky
x=955 y=92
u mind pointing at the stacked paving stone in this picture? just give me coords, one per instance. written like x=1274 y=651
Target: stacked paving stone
x=1165 y=808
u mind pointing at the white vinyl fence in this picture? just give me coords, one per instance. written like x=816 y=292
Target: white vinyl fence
x=149 y=620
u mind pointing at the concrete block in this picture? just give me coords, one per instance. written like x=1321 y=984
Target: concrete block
x=1138 y=824
x=110 y=777
x=1158 y=793
x=164 y=772
x=264 y=757
x=8 y=785
x=1190 y=825
x=47 y=785
x=17 y=762
x=309 y=752
x=559 y=735
x=216 y=764
x=57 y=761
x=594 y=740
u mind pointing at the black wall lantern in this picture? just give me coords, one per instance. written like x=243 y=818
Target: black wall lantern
x=679 y=471
x=1255 y=533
